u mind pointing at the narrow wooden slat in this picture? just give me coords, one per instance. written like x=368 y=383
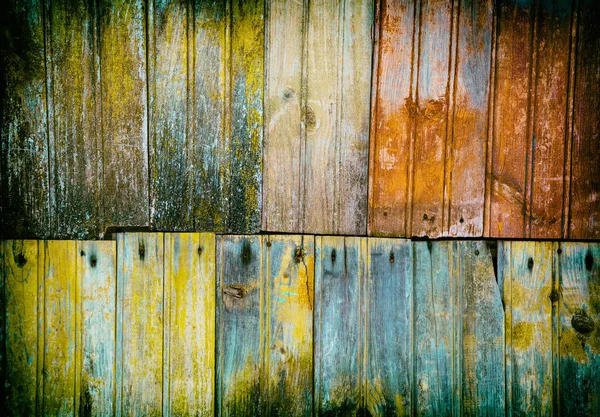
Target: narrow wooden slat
x=288 y=326
x=124 y=112
x=26 y=203
x=168 y=113
x=479 y=330
x=579 y=310
x=528 y=279
x=21 y=277
x=433 y=328
x=338 y=324
x=96 y=274
x=60 y=303
x=72 y=58
x=189 y=324
x=392 y=117
x=140 y=318
x=389 y=346
x=239 y=320
x=585 y=180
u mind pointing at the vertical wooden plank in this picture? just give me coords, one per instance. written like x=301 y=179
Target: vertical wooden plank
x=21 y=279
x=433 y=329
x=124 y=112
x=60 y=302
x=480 y=331
x=579 y=311
x=510 y=147
x=427 y=172
x=392 y=117
x=246 y=131
x=140 y=317
x=208 y=72
x=239 y=317
x=336 y=117
x=288 y=331
x=24 y=181
x=466 y=165
x=389 y=345
x=340 y=264
x=97 y=282
x=585 y=203
x=528 y=279
x=168 y=113
x=190 y=324
x=284 y=104
x=72 y=59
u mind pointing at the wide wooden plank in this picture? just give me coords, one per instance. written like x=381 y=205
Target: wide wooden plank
x=97 y=281
x=189 y=362
x=579 y=309
x=528 y=285
x=434 y=321
x=22 y=281
x=168 y=114
x=340 y=275
x=140 y=318
x=240 y=319
x=124 y=113
x=318 y=85
x=389 y=324
x=73 y=108
x=25 y=209
x=61 y=298
x=585 y=175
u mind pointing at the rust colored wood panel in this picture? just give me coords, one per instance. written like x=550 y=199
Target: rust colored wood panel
x=429 y=118
x=25 y=206
x=318 y=83
x=584 y=214
x=73 y=108
x=124 y=113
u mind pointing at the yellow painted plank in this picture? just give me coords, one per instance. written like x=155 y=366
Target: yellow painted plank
x=60 y=303
x=139 y=324
x=21 y=282
x=96 y=274
x=189 y=324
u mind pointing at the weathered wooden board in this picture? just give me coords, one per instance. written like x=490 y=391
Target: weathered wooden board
x=528 y=292
x=73 y=110
x=189 y=362
x=140 y=318
x=24 y=184
x=579 y=327
x=317 y=117
x=124 y=115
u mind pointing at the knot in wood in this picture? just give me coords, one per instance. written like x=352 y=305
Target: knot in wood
x=582 y=323
x=234 y=291
x=298 y=255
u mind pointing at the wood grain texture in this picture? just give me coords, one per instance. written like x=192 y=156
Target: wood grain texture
x=22 y=277
x=317 y=90
x=124 y=114
x=579 y=327
x=429 y=118
x=339 y=325
x=189 y=362
x=25 y=206
x=97 y=282
x=528 y=284
x=140 y=318
x=74 y=96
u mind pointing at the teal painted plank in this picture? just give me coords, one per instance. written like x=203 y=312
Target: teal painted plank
x=96 y=366
x=24 y=184
x=433 y=328
x=239 y=318
x=340 y=275
x=579 y=315
x=389 y=327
